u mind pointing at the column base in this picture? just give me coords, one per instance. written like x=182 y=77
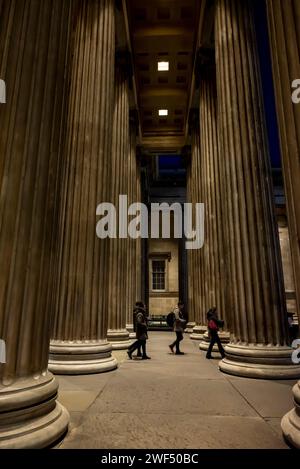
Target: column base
x=119 y=339
x=198 y=332
x=259 y=361
x=81 y=357
x=189 y=327
x=204 y=344
x=130 y=329
x=290 y=423
x=30 y=416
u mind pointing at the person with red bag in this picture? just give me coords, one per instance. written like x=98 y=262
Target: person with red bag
x=213 y=324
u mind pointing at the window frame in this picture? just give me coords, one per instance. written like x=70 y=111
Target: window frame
x=159 y=259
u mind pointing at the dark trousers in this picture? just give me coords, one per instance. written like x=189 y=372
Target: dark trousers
x=215 y=339
x=179 y=338
x=138 y=344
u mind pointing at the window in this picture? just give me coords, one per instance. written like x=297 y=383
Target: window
x=158 y=275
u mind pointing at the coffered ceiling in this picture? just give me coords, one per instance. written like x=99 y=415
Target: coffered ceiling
x=163 y=31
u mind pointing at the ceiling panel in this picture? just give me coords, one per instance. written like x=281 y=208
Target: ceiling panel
x=163 y=30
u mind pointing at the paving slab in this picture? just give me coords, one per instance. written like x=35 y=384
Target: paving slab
x=77 y=401
x=167 y=394
x=79 y=382
x=172 y=431
x=269 y=398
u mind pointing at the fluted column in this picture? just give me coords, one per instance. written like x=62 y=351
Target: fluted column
x=190 y=261
x=138 y=244
x=258 y=323
x=134 y=245
x=213 y=251
x=33 y=54
x=79 y=343
x=283 y=18
x=120 y=249
x=196 y=257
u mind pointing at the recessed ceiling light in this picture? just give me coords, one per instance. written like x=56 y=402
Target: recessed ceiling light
x=163 y=112
x=163 y=66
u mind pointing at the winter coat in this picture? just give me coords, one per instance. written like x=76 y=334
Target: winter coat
x=141 y=324
x=179 y=322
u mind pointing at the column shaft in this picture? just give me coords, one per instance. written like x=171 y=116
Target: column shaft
x=190 y=263
x=138 y=244
x=197 y=286
x=284 y=31
x=285 y=49
x=79 y=342
x=214 y=292
x=258 y=320
x=133 y=258
x=33 y=58
x=120 y=248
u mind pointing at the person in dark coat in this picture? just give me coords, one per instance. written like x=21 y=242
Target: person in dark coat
x=213 y=324
x=141 y=332
x=178 y=327
x=135 y=311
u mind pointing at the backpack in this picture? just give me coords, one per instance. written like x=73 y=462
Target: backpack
x=212 y=325
x=170 y=319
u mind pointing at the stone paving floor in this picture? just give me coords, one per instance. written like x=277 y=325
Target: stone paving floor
x=173 y=402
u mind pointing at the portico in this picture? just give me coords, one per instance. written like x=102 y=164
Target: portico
x=173 y=102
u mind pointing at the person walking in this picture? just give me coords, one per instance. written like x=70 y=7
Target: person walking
x=135 y=311
x=179 y=323
x=213 y=324
x=141 y=332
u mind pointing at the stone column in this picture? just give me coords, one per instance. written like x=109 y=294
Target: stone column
x=33 y=55
x=120 y=248
x=283 y=18
x=138 y=244
x=259 y=336
x=213 y=251
x=79 y=343
x=196 y=260
x=190 y=262
x=133 y=270
x=287 y=265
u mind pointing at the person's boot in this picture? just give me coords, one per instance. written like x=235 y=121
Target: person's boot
x=179 y=353
x=129 y=353
x=145 y=357
x=171 y=348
